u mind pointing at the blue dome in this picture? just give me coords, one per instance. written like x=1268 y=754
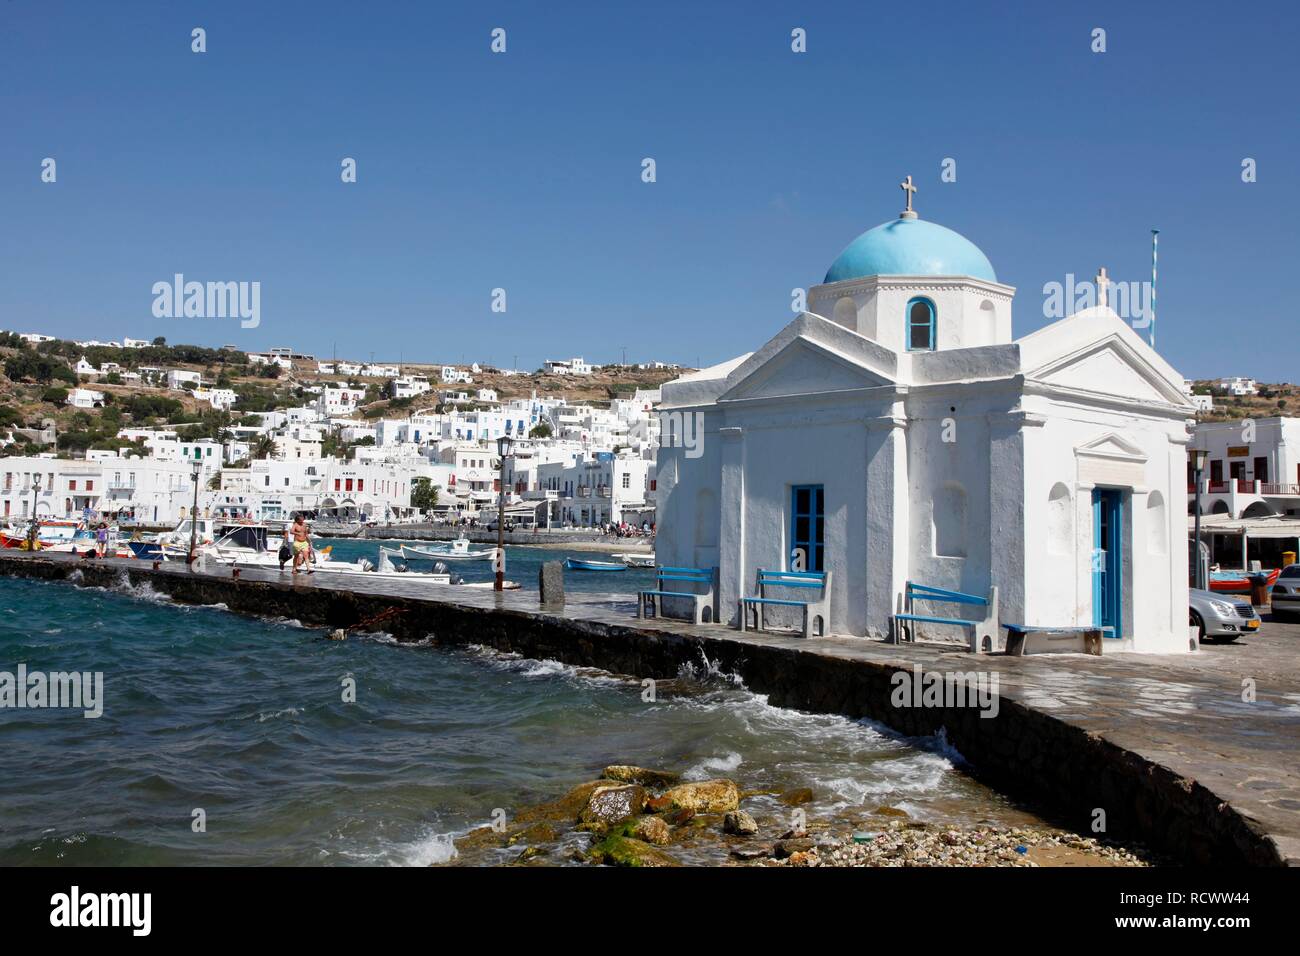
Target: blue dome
x=910 y=247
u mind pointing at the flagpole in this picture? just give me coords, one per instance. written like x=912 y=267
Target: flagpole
x=1155 y=240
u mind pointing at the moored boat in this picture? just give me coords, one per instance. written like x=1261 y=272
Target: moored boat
x=582 y=564
x=458 y=550
x=1238 y=582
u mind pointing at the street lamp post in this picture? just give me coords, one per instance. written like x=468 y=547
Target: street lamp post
x=1198 y=466
x=505 y=445
x=34 y=531
x=196 y=467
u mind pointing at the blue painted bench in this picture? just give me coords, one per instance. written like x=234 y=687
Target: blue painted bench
x=703 y=601
x=983 y=634
x=816 y=613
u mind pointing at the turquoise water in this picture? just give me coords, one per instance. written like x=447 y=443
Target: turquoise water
x=245 y=719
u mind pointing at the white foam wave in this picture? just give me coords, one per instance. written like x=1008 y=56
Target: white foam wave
x=711 y=767
x=272 y=715
x=546 y=669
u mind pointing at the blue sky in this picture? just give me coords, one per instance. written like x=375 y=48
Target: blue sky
x=523 y=170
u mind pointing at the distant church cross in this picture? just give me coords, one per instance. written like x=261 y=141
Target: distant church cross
x=1103 y=281
x=908 y=189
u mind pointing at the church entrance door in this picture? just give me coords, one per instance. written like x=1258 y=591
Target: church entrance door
x=1108 y=561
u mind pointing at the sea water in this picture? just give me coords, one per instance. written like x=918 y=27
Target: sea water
x=226 y=739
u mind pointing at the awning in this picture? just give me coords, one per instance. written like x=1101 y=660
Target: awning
x=1275 y=526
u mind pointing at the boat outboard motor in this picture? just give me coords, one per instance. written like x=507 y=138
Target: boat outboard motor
x=440 y=567
x=366 y=565
x=456 y=579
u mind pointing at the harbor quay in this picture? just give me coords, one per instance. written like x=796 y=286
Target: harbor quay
x=1196 y=756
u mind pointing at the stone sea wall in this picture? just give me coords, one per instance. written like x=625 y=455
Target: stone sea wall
x=1063 y=769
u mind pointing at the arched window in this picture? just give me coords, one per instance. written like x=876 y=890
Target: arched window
x=920 y=325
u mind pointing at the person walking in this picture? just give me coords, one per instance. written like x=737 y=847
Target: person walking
x=301 y=535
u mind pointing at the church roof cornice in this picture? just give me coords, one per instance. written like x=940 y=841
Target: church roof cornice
x=994 y=290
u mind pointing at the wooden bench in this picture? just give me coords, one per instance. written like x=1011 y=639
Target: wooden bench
x=1026 y=639
x=816 y=612
x=703 y=602
x=982 y=634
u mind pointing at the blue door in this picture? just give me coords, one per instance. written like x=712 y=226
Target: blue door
x=1108 y=561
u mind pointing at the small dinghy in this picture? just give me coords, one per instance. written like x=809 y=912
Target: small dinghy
x=579 y=564
x=1238 y=582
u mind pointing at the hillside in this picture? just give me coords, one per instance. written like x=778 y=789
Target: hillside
x=35 y=380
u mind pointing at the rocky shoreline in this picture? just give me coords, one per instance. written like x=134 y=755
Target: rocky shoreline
x=637 y=817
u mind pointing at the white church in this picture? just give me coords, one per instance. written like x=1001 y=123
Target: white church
x=897 y=432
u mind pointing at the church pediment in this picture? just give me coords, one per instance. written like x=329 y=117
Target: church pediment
x=1112 y=445
x=803 y=367
x=1110 y=367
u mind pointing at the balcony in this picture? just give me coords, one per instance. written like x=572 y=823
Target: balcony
x=1280 y=489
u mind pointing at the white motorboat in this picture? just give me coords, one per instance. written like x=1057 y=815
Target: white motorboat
x=458 y=550
x=636 y=560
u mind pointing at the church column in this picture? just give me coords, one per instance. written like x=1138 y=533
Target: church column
x=1141 y=592
x=888 y=520
x=1008 y=488
x=732 y=564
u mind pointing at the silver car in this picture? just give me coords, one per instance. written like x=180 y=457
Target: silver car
x=1221 y=617
x=1286 y=592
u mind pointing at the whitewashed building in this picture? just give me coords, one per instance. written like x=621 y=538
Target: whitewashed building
x=85 y=398
x=897 y=432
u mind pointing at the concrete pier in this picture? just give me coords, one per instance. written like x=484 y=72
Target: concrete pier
x=1167 y=751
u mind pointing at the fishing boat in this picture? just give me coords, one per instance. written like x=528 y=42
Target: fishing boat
x=51 y=532
x=637 y=560
x=147 y=550
x=1238 y=582
x=458 y=550
x=581 y=564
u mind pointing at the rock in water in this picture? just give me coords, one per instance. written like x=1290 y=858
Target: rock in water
x=611 y=805
x=786 y=848
x=625 y=851
x=709 y=796
x=550 y=582
x=627 y=773
x=652 y=830
x=740 y=823
x=797 y=797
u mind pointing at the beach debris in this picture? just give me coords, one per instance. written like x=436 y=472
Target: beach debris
x=901 y=843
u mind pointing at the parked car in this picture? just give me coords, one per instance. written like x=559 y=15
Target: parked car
x=1286 y=592
x=1221 y=617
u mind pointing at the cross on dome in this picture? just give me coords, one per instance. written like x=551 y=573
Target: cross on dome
x=908 y=190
